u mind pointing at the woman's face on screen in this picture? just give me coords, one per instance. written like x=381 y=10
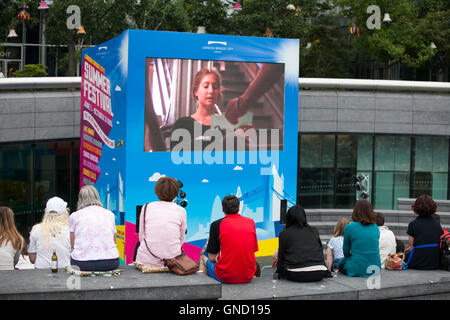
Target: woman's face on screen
x=208 y=91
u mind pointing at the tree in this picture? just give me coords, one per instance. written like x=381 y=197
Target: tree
x=106 y=19
x=326 y=51
x=401 y=40
x=329 y=53
x=7 y=15
x=102 y=20
x=158 y=15
x=31 y=70
x=258 y=17
x=211 y=14
x=435 y=26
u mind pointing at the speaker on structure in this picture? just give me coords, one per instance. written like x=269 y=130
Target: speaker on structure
x=283 y=207
x=138 y=216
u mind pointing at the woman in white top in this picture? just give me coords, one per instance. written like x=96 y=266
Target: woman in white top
x=12 y=243
x=387 y=241
x=93 y=234
x=51 y=234
x=335 y=246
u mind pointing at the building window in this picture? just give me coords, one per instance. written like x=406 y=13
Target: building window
x=392 y=165
x=317 y=171
x=396 y=167
x=430 y=171
x=31 y=173
x=16 y=182
x=354 y=156
x=53 y=162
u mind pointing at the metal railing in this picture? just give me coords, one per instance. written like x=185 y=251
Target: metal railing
x=304 y=83
x=363 y=84
x=40 y=83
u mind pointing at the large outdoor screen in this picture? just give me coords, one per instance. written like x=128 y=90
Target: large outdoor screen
x=218 y=113
x=212 y=105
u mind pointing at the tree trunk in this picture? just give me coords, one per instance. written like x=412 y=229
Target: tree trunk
x=71 y=58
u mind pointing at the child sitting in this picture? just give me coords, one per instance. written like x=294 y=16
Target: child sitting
x=334 y=247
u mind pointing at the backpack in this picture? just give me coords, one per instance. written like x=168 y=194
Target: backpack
x=445 y=250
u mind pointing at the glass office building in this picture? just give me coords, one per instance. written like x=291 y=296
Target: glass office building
x=397 y=167
x=31 y=173
x=398 y=139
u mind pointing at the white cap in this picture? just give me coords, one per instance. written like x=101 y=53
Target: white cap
x=57 y=205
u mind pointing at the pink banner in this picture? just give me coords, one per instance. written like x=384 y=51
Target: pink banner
x=96 y=119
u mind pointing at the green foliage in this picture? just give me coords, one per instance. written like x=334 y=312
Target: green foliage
x=31 y=70
x=211 y=14
x=436 y=28
x=330 y=54
x=401 y=40
x=334 y=52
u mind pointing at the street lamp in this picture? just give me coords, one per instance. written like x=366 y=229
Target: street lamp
x=12 y=34
x=24 y=16
x=290 y=7
x=43 y=7
x=81 y=30
x=201 y=29
x=79 y=46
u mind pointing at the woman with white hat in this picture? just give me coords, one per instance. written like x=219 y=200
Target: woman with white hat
x=51 y=234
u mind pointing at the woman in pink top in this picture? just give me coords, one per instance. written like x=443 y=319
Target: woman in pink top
x=165 y=226
x=93 y=234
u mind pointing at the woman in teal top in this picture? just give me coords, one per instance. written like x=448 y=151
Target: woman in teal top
x=361 y=248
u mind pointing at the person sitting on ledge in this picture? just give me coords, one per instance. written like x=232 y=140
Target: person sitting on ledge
x=424 y=235
x=93 y=234
x=300 y=252
x=164 y=223
x=361 y=242
x=387 y=240
x=231 y=246
x=12 y=244
x=334 y=246
x=51 y=233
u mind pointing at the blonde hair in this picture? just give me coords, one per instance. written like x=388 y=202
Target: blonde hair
x=52 y=226
x=88 y=196
x=8 y=230
x=340 y=226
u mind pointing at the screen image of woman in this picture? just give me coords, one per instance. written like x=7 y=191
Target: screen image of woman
x=206 y=91
x=194 y=105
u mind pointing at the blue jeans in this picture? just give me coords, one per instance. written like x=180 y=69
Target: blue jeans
x=211 y=268
x=335 y=264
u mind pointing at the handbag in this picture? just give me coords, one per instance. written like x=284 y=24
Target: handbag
x=394 y=261
x=445 y=252
x=181 y=264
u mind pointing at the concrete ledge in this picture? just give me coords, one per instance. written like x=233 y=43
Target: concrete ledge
x=405 y=204
x=392 y=285
x=131 y=284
